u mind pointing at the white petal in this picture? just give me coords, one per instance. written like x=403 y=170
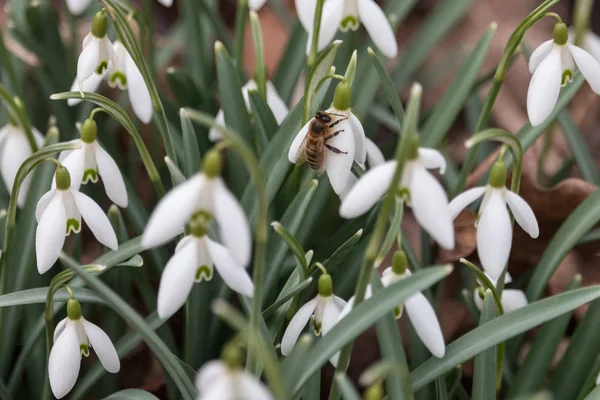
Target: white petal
x=256 y=5
x=233 y=274
x=75 y=164
x=60 y=327
x=338 y=166
x=232 y=222
x=15 y=151
x=430 y=206
x=50 y=234
x=306 y=13
x=464 y=199
x=253 y=389
x=368 y=190
x=139 y=97
x=43 y=203
x=166 y=3
x=214 y=135
x=172 y=212
x=111 y=177
x=539 y=54
x=339 y=302
x=513 y=299
x=523 y=213
x=374 y=155
x=544 y=88
x=64 y=362
x=591 y=43
x=96 y=220
x=104 y=348
x=209 y=374
x=432 y=159
x=296 y=326
x=77 y=7
x=378 y=26
x=360 y=145
x=177 y=280
x=425 y=322
x=276 y=103
x=222 y=389
x=89 y=85
x=588 y=65
x=494 y=234
x=297 y=142
x=88 y=61
x=331 y=313
x=330 y=22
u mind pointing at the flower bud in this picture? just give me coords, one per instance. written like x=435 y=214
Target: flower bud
x=341 y=98
x=63 y=178
x=89 y=131
x=325 y=285
x=211 y=166
x=73 y=309
x=399 y=262
x=100 y=24
x=374 y=392
x=232 y=357
x=561 y=33
x=498 y=174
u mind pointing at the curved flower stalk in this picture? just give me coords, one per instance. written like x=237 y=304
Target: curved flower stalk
x=73 y=338
x=419 y=310
x=204 y=192
x=59 y=212
x=124 y=74
x=552 y=65
x=90 y=161
x=192 y=262
x=78 y=7
x=14 y=149
x=325 y=309
x=274 y=101
x=494 y=227
x=97 y=54
x=348 y=15
x=425 y=195
x=511 y=299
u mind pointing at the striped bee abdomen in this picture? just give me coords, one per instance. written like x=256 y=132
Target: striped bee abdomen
x=314 y=152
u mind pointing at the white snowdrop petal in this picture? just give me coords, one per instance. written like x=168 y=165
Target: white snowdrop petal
x=464 y=199
x=75 y=164
x=368 y=190
x=297 y=142
x=494 y=235
x=338 y=166
x=139 y=97
x=296 y=326
x=114 y=185
x=88 y=61
x=77 y=7
x=544 y=88
x=477 y=299
x=172 y=212
x=378 y=26
x=330 y=22
x=276 y=103
x=64 y=362
x=50 y=234
x=209 y=374
x=90 y=85
x=43 y=203
x=96 y=220
x=214 y=135
x=339 y=302
x=523 y=213
x=166 y=3
x=360 y=145
x=253 y=389
x=15 y=151
x=430 y=206
x=539 y=54
x=256 y=5
x=103 y=346
x=232 y=273
x=374 y=155
x=423 y=318
x=177 y=279
x=222 y=389
x=432 y=159
x=513 y=299
x=60 y=327
x=306 y=13
x=591 y=43
x=233 y=225
x=588 y=65
x=330 y=316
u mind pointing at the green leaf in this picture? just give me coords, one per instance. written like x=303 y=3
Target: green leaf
x=176 y=175
x=264 y=120
x=287 y=295
x=499 y=330
x=579 y=148
x=594 y=394
x=484 y=375
x=388 y=86
x=322 y=67
x=289 y=68
x=38 y=295
x=183 y=88
x=191 y=151
x=348 y=390
x=341 y=253
x=292 y=243
x=131 y=394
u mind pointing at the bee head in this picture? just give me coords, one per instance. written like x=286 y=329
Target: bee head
x=323 y=117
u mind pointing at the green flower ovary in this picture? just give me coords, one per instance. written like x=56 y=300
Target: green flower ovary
x=89 y=175
x=350 y=22
x=204 y=272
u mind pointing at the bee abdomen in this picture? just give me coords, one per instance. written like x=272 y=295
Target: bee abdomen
x=314 y=156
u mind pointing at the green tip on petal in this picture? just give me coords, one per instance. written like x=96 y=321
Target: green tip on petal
x=399 y=262
x=100 y=24
x=325 y=285
x=341 y=98
x=63 y=178
x=89 y=131
x=561 y=33
x=498 y=174
x=73 y=309
x=211 y=166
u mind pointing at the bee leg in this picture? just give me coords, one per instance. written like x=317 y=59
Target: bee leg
x=334 y=134
x=338 y=121
x=335 y=149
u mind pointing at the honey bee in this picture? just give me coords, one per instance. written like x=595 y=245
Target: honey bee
x=312 y=149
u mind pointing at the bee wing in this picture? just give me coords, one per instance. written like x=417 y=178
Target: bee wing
x=301 y=153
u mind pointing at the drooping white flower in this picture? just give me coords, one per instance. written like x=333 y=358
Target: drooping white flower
x=59 y=213
x=325 y=308
x=552 y=65
x=14 y=149
x=73 y=337
x=192 y=262
x=77 y=7
x=494 y=227
x=348 y=15
x=217 y=380
x=204 y=192
x=274 y=101
x=511 y=299
x=425 y=194
x=97 y=54
x=256 y=5
x=374 y=158
x=89 y=161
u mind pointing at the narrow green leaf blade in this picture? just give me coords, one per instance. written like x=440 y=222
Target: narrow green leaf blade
x=38 y=296
x=484 y=375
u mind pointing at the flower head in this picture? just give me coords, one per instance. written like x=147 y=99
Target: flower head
x=73 y=337
x=552 y=65
x=511 y=299
x=59 y=212
x=347 y=15
x=89 y=161
x=77 y=7
x=97 y=54
x=494 y=228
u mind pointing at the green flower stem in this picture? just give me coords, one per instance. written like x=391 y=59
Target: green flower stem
x=260 y=70
x=148 y=29
x=17 y=111
x=581 y=19
x=241 y=14
x=312 y=56
x=377 y=237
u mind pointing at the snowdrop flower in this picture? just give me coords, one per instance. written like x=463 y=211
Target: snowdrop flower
x=73 y=338
x=347 y=15
x=424 y=193
x=14 y=150
x=227 y=380
x=274 y=101
x=59 y=213
x=419 y=310
x=204 y=192
x=494 y=227
x=332 y=141
x=552 y=65
x=90 y=161
x=97 y=54
x=511 y=299
x=193 y=261
x=325 y=308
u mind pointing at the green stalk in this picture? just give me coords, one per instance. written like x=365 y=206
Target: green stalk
x=260 y=70
x=581 y=19
x=314 y=45
x=241 y=13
